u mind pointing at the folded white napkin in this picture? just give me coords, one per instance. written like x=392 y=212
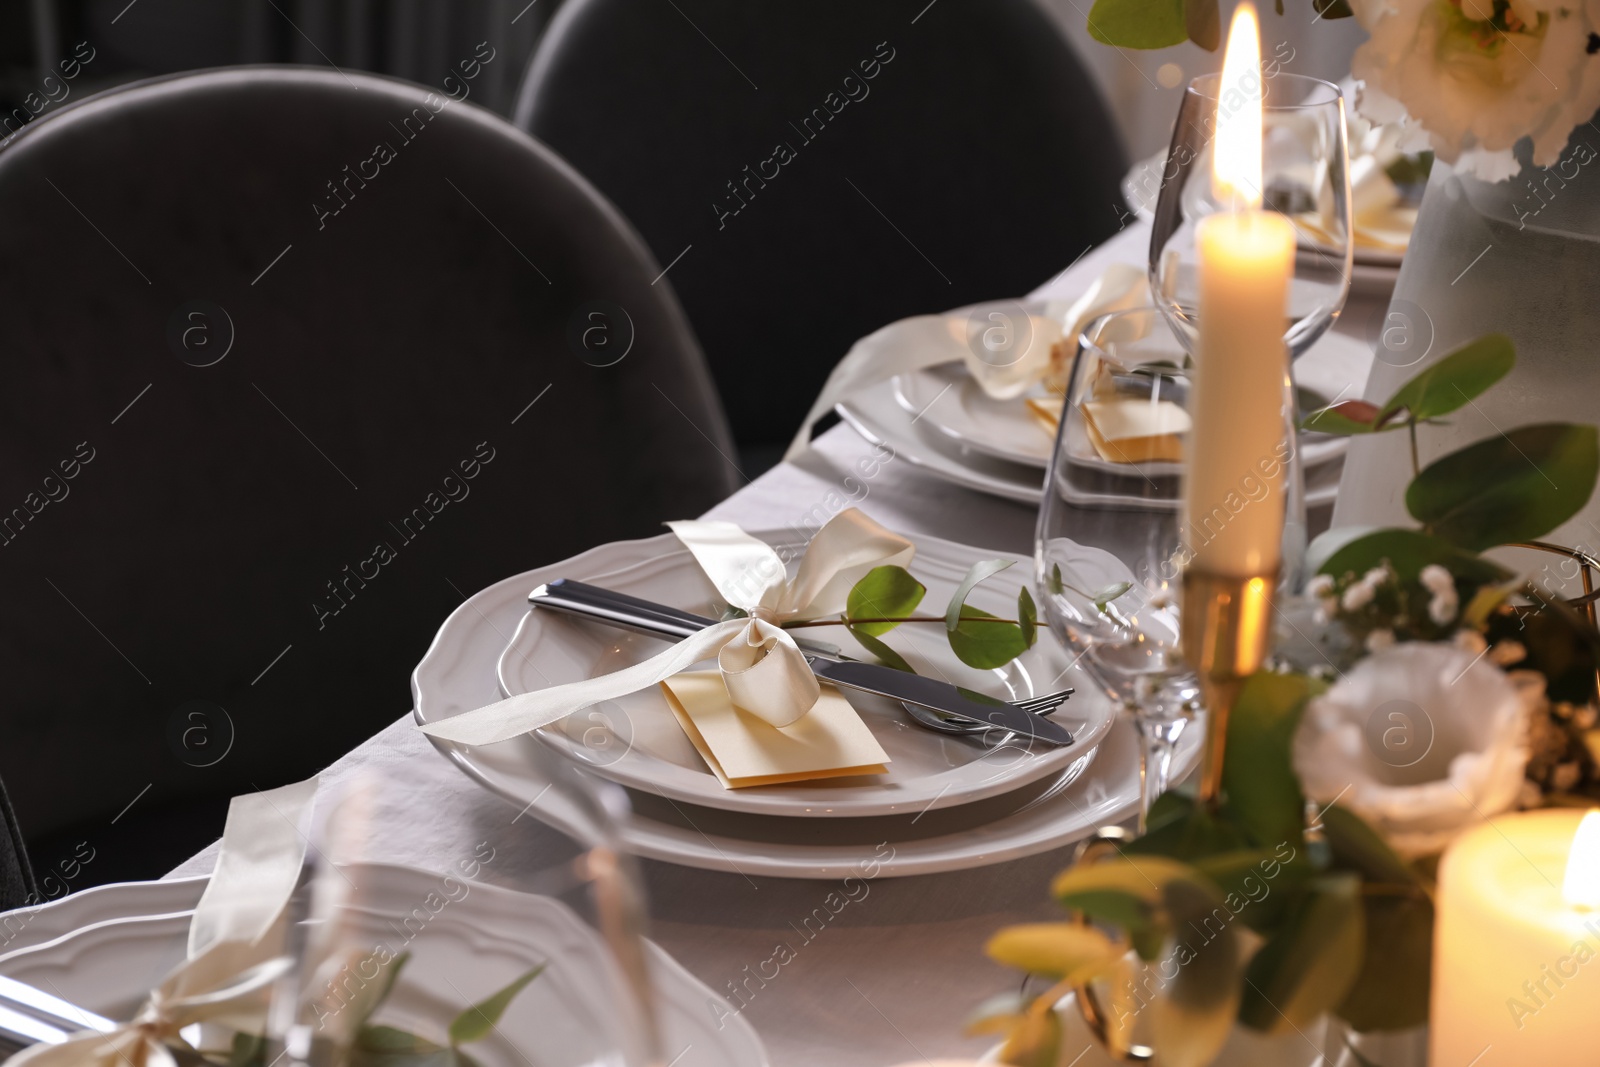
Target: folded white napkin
x=1006 y=347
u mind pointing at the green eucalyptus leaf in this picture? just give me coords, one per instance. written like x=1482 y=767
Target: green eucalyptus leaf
x=978 y=572
x=1055 y=583
x=986 y=641
x=1358 y=847
x=1258 y=777
x=1035 y=1041
x=1196 y=1010
x=1027 y=617
x=1104 y=596
x=1455 y=380
x=1179 y=828
x=1203 y=23
x=1346 y=419
x=1408 y=551
x=884 y=654
x=883 y=592
x=247 y=1050
x=1126 y=893
x=369 y=996
x=1306 y=969
x=388 y=1046
x=1059 y=951
x=1138 y=23
x=1391 y=991
x=997 y=1015
x=477 y=1021
x=1515 y=486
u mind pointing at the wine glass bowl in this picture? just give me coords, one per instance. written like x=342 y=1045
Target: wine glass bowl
x=1305 y=171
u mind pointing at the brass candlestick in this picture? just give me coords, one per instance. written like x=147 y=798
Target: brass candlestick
x=1226 y=623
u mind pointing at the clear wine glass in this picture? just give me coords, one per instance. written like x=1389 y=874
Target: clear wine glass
x=1112 y=540
x=1306 y=177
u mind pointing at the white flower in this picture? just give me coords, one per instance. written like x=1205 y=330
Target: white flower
x=1470 y=87
x=1376 y=576
x=1421 y=740
x=1469 y=641
x=1442 y=608
x=1320 y=586
x=1436 y=580
x=1378 y=640
x=1357 y=596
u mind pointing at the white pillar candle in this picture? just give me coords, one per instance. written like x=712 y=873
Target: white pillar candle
x=1234 y=490
x=1516 y=951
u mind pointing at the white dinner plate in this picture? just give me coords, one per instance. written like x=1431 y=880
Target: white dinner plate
x=876 y=414
x=458 y=674
x=477 y=941
x=949 y=400
x=637 y=741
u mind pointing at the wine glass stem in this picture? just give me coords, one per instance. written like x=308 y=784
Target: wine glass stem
x=1160 y=739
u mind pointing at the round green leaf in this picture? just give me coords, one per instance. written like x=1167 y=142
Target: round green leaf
x=1408 y=551
x=1309 y=966
x=884 y=592
x=1455 y=380
x=1515 y=486
x=1059 y=951
x=986 y=641
x=1138 y=23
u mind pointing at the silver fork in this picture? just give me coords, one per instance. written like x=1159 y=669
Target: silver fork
x=681 y=623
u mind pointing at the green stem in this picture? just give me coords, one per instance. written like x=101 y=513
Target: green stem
x=1416 y=467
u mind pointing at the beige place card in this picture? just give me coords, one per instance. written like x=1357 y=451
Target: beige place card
x=1135 y=430
x=830 y=741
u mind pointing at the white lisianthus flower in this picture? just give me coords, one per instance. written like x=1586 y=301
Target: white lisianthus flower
x=1421 y=740
x=1469 y=78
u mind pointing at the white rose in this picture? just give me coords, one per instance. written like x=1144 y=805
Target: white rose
x=1420 y=740
x=1470 y=88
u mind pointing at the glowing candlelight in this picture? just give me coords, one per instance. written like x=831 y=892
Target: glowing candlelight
x=1234 y=493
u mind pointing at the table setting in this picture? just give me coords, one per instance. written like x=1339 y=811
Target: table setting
x=1193 y=661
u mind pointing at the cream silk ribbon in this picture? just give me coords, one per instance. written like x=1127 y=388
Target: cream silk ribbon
x=235 y=942
x=763 y=668
x=929 y=340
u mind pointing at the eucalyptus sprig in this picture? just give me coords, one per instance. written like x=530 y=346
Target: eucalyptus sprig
x=887 y=597
x=377 y=1045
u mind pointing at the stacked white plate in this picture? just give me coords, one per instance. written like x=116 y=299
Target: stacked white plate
x=941 y=420
x=106 y=948
x=946 y=803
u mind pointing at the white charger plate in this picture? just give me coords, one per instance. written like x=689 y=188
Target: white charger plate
x=637 y=741
x=876 y=414
x=949 y=400
x=458 y=674
x=476 y=943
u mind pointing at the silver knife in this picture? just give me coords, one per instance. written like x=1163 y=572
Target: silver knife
x=641 y=616
x=30 y=1016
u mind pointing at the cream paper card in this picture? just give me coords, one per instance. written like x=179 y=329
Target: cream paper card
x=829 y=742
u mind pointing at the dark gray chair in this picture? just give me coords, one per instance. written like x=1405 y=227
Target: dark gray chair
x=826 y=166
x=293 y=361
x=16 y=875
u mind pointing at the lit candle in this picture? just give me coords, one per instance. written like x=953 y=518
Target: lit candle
x=1516 y=951
x=1234 y=491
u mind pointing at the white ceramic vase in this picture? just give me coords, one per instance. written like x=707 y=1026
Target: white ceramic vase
x=1520 y=257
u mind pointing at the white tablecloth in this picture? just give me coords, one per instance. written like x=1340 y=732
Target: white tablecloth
x=894 y=975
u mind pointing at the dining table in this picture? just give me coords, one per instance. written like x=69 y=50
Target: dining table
x=893 y=975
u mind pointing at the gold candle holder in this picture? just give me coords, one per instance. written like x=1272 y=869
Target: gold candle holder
x=1226 y=626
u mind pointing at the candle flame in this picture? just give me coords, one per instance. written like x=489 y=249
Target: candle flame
x=1581 y=888
x=1236 y=158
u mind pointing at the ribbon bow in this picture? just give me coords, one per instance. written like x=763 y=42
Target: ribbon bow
x=764 y=670
x=1005 y=356
x=235 y=942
